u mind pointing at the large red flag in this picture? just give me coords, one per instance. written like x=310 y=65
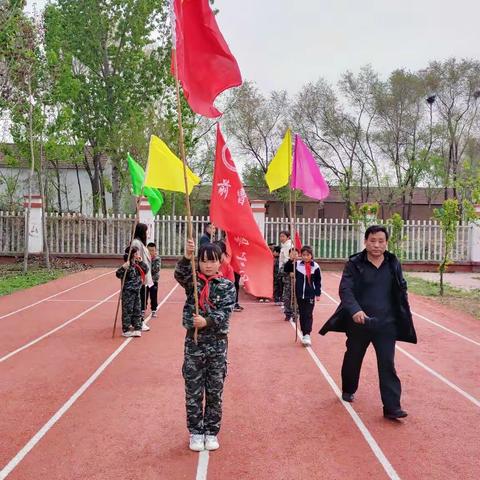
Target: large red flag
x=230 y=210
x=206 y=67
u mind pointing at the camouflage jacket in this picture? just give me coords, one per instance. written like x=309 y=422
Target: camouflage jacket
x=133 y=280
x=156 y=265
x=222 y=296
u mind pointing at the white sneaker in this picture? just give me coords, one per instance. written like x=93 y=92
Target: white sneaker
x=197 y=442
x=307 y=341
x=211 y=442
x=145 y=327
x=136 y=333
x=154 y=314
x=127 y=334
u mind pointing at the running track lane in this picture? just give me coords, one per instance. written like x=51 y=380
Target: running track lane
x=130 y=423
x=431 y=443
x=31 y=323
x=36 y=382
x=31 y=297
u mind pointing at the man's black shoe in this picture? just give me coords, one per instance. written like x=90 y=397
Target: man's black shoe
x=348 y=397
x=396 y=414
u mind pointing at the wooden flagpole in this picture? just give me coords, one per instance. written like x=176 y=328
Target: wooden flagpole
x=181 y=141
x=293 y=299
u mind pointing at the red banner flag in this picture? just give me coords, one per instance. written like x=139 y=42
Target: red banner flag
x=230 y=210
x=298 y=242
x=206 y=67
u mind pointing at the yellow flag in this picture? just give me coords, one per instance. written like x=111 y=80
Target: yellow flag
x=165 y=169
x=280 y=167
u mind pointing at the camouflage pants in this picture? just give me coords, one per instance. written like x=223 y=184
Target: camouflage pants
x=287 y=295
x=131 y=310
x=204 y=370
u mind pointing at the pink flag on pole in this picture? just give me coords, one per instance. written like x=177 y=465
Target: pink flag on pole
x=306 y=175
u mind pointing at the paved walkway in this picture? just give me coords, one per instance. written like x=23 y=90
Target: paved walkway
x=466 y=281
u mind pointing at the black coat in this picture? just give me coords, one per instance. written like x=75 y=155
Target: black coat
x=351 y=288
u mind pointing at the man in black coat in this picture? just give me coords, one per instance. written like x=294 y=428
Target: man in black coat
x=374 y=308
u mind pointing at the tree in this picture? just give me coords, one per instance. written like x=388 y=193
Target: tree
x=455 y=89
x=111 y=71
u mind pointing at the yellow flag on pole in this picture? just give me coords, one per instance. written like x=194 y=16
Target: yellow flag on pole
x=280 y=167
x=165 y=169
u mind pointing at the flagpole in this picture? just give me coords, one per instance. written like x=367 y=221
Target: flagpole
x=181 y=141
x=293 y=299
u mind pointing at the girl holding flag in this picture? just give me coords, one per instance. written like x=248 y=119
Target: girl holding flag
x=205 y=360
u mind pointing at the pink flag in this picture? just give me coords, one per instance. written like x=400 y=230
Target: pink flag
x=306 y=175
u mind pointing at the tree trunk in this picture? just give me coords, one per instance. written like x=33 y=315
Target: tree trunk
x=79 y=188
x=115 y=186
x=30 y=177
x=46 y=248
x=59 y=187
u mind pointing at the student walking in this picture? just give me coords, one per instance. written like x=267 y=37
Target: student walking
x=156 y=266
x=205 y=362
x=140 y=243
x=374 y=309
x=131 y=304
x=308 y=288
x=287 y=279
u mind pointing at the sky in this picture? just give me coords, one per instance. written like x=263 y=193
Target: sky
x=281 y=45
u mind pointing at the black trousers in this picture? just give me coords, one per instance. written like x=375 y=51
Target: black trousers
x=305 y=311
x=143 y=297
x=278 y=287
x=358 y=340
x=237 y=285
x=153 y=294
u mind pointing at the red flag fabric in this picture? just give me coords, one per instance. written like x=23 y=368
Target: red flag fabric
x=298 y=242
x=206 y=67
x=230 y=210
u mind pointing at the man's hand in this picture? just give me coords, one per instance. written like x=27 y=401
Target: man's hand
x=317 y=299
x=199 y=321
x=359 y=317
x=189 y=249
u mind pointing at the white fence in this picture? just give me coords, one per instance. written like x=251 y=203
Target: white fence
x=330 y=238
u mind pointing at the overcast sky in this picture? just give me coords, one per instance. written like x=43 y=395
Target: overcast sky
x=282 y=44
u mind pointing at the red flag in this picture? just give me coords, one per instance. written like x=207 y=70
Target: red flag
x=230 y=210
x=206 y=67
x=298 y=242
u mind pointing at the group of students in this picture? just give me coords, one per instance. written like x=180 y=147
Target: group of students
x=374 y=309
x=139 y=275
x=294 y=268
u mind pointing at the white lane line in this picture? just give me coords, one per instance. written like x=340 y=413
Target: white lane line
x=377 y=451
x=66 y=406
x=202 y=467
x=56 y=329
x=453 y=332
x=437 y=375
x=55 y=295
x=440 y=377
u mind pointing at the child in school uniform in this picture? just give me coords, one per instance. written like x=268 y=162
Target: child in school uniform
x=156 y=266
x=308 y=288
x=131 y=303
x=205 y=361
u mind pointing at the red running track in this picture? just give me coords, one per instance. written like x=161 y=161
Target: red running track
x=282 y=419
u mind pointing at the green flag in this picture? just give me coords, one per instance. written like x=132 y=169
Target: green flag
x=154 y=197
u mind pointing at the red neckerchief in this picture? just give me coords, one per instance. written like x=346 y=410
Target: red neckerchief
x=205 y=292
x=140 y=269
x=308 y=272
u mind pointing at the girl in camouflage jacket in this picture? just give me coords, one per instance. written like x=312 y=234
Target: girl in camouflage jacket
x=205 y=362
x=131 y=304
